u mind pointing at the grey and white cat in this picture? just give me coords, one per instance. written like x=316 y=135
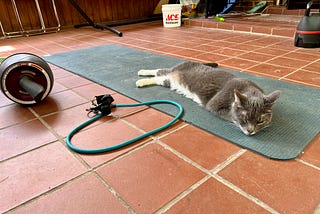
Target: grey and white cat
x=233 y=99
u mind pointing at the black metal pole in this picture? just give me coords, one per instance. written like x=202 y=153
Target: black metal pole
x=90 y=22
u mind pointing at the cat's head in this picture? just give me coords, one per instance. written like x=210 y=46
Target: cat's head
x=253 y=113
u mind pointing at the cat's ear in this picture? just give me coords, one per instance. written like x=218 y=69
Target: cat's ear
x=271 y=98
x=239 y=98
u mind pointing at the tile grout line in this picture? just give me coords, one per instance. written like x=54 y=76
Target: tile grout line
x=114 y=193
x=266 y=61
x=61 y=140
x=187 y=191
x=60 y=186
x=89 y=169
x=233 y=57
x=183 y=157
x=307 y=163
x=182 y=195
x=237 y=56
x=298 y=69
x=25 y=152
x=174 y=130
x=301 y=83
x=245 y=194
x=229 y=160
x=45 y=193
x=40 y=119
x=44 y=52
x=18 y=123
x=125 y=154
x=239 y=31
x=212 y=173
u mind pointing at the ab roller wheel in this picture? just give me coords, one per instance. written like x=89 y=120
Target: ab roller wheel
x=25 y=78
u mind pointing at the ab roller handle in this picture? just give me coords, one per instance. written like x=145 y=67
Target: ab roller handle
x=25 y=78
x=34 y=89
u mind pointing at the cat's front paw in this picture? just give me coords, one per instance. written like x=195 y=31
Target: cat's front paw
x=141 y=73
x=144 y=72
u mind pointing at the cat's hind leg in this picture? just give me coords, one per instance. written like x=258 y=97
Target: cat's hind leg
x=160 y=77
x=158 y=80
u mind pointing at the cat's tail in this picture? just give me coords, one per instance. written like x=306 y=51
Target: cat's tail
x=211 y=64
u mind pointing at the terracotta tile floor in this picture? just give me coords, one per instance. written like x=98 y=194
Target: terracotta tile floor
x=180 y=170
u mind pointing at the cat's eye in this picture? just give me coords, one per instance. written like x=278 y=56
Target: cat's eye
x=260 y=120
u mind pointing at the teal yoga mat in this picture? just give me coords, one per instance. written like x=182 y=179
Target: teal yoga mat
x=296 y=119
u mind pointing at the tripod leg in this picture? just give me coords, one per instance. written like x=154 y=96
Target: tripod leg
x=90 y=22
x=103 y=27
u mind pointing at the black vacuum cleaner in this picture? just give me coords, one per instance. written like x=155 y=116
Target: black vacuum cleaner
x=308 y=30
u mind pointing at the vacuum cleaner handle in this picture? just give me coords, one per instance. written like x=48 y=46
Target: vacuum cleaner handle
x=307 y=13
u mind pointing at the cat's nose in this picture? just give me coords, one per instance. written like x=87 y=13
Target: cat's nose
x=251 y=130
